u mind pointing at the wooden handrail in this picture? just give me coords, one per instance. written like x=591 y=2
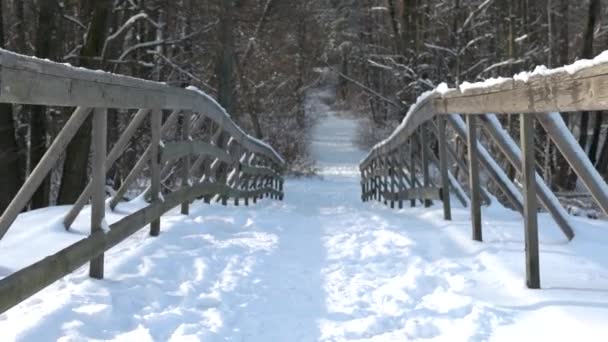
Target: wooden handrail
x=28 y=80
x=582 y=86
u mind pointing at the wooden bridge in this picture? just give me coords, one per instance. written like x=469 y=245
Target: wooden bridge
x=391 y=171
x=226 y=164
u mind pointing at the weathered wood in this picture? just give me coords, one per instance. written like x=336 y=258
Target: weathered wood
x=510 y=149
x=432 y=193
x=530 y=206
x=177 y=150
x=498 y=175
x=474 y=185
x=186 y=118
x=22 y=284
x=155 y=141
x=98 y=184
x=43 y=168
x=426 y=178
x=443 y=167
x=114 y=154
x=41 y=82
x=576 y=157
x=412 y=168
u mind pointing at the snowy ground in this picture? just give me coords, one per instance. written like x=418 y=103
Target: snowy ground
x=319 y=266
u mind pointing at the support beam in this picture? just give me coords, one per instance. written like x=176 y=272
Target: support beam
x=186 y=116
x=576 y=157
x=155 y=141
x=443 y=166
x=513 y=153
x=43 y=168
x=530 y=206
x=114 y=154
x=98 y=184
x=474 y=185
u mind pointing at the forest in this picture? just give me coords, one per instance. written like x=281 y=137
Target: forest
x=260 y=57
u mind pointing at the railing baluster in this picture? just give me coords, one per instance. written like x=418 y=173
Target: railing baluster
x=473 y=160
x=443 y=165
x=412 y=168
x=98 y=184
x=186 y=118
x=155 y=142
x=114 y=154
x=43 y=168
x=426 y=178
x=530 y=206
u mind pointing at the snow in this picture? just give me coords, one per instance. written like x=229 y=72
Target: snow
x=321 y=266
x=223 y=111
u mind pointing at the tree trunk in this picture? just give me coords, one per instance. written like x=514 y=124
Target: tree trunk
x=594 y=9
x=38 y=121
x=11 y=175
x=225 y=70
x=74 y=177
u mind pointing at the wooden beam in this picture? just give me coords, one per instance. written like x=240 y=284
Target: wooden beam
x=576 y=157
x=98 y=183
x=186 y=118
x=114 y=154
x=40 y=82
x=22 y=284
x=510 y=149
x=530 y=206
x=43 y=168
x=155 y=142
x=443 y=167
x=474 y=185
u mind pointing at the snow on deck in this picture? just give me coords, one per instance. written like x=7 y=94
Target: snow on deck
x=320 y=266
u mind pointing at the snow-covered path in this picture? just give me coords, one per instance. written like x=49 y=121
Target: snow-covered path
x=322 y=265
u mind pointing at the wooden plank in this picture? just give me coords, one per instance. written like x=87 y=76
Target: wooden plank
x=474 y=185
x=98 y=183
x=176 y=150
x=155 y=141
x=22 y=284
x=43 y=168
x=443 y=167
x=114 y=154
x=426 y=178
x=41 y=82
x=530 y=206
x=576 y=157
x=186 y=118
x=412 y=168
x=433 y=193
x=510 y=149
x=498 y=175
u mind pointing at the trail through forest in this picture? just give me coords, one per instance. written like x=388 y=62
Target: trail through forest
x=320 y=266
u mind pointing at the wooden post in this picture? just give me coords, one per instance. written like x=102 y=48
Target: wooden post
x=98 y=184
x=510 y=149
x=43 y=168
x=574 y=154
x=530 y=206
x=186 y=116
x=114 y=154
x=412 y=168
x=426 y=179
x=474 y=177
x=155 y=141
x=443 y=165
x=391 y=173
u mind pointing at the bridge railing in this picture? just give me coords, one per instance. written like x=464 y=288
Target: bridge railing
x=391 y=170
x=224 y=164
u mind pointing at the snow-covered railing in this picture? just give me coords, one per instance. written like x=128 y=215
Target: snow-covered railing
x=224 y=164
x=390 y=171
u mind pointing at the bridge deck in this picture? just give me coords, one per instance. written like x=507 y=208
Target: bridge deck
x=321 y=265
